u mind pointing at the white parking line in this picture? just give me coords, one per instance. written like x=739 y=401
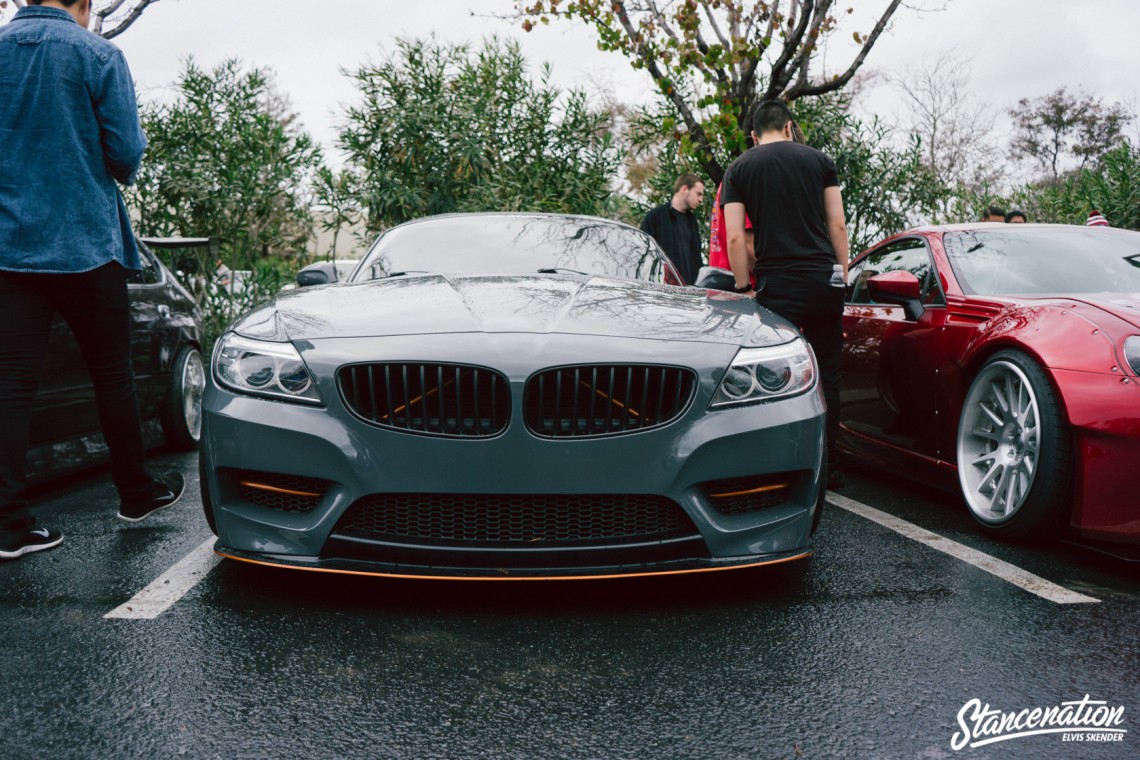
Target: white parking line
x=1034 y=584
x=169 y=587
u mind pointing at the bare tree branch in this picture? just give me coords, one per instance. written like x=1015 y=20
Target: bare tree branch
x=127 y=20
x=716 y=29
x=841 y=80
x=691 y=121
x=709 y=58
x=780 y=78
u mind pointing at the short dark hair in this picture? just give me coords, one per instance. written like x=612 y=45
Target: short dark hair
x=1016 y=212
x=995 y=211
x=686 y=181
x=65 y=3
x=770 y=116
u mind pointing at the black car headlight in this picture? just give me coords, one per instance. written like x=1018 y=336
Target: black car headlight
x=1132 y=353
x=263 y=368
x=764 y=374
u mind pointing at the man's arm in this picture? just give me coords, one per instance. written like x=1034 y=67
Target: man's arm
x=738 y=256
x=837 y=225
x=649 y=223
x=696 y=254
x=119 y=129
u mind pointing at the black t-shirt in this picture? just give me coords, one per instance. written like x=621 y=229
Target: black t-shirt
x=678 y=235
x=781 y=185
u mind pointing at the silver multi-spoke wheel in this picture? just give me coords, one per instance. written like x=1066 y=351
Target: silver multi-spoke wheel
x=182 y=410
x=1013 y=453
x=999 y=442
x=193 y=385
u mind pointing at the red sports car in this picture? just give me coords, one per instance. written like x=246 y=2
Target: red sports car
x=1005 y=358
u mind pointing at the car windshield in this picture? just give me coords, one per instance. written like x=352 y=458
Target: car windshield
x=509 y=244
x=1045 y=259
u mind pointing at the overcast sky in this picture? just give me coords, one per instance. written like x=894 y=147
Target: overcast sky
x=1017 y=48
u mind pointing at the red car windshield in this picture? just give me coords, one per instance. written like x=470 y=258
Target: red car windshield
x=1043 y=259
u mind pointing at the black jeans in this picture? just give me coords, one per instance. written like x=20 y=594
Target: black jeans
x=96 y=306
x=809 y=301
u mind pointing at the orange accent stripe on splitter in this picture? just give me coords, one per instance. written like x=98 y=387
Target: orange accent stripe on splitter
x=761 y=489
x=275 y=489
x=520 y=578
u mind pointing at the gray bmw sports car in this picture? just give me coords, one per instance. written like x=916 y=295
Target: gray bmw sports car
x=512 y=396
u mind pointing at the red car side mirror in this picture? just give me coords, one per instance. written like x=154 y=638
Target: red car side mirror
x=900 y=288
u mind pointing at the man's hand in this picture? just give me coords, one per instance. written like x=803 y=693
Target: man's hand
x=837 y=226
x=738 y=255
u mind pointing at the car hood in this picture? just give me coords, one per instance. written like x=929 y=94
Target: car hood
x=564 y=304
x=1125 y=306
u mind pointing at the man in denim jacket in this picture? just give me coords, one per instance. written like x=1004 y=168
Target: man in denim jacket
x=69 y=128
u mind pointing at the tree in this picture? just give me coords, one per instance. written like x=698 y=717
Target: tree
x=226 y=158
x=713 y=59
x=109 y=18
x=885 y=187
x=440 y=128
x=1112 y=187
x=333 y=198
x=1058 y=126
x=954 y=131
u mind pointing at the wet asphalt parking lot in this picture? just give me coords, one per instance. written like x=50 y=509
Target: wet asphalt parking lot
x=136 y=642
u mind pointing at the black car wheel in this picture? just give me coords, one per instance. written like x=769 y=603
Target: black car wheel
x=182 y=412
x=1013 y=449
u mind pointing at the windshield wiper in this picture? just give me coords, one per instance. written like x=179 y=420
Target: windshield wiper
x=561 y=270
x=405 y=273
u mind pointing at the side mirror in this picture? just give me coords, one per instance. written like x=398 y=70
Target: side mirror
x=320 y=273
x=714 y=278
x=900 y=288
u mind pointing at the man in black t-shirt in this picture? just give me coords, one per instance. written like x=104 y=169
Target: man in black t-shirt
x=674 y=226
x=791 y=194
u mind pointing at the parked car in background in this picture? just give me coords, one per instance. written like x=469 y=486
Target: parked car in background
x=512 y=396
x=166 y=335
x=1003 y=361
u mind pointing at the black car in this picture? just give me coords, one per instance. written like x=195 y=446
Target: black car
x=166 y=343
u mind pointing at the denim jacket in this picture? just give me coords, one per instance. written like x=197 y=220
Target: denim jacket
x=69 y=128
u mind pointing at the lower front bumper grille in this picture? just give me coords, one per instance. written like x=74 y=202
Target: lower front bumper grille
x=739 y=496
x=286 y=493
x=515 y=520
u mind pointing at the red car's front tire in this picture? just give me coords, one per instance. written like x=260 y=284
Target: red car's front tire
x=1014 y=454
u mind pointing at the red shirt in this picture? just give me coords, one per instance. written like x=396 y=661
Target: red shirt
x=718 y=240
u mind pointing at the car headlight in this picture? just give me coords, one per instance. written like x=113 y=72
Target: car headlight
x=764 y=374
x=1132 y=353
x=262 y=368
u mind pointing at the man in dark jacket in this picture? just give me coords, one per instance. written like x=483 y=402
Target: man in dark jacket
x=674 y=226
x=71 y=131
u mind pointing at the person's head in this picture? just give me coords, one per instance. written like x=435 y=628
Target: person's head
x=80 y=10
x=1096 y=219
x=994 y=214
x=772 y=117
x=1015 y=216
x=688 y=192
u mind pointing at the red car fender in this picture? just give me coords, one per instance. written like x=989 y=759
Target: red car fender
x=1056 y=334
